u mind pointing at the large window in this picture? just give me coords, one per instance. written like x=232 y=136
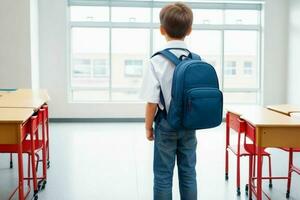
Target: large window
x=111 y=42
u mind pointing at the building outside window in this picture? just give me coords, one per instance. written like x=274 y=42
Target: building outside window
x=247 y=68
x=81 y=68
x=100 y=68
x=133 y=68
x=230 y=68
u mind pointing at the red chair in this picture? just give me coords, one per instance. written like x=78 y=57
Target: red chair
x=31 y=146
x=292 y=168
x=45 y=127
x=252 y=149
x=15 y=148
x=234 y=122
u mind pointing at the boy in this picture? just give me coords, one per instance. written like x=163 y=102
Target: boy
x=176 y=23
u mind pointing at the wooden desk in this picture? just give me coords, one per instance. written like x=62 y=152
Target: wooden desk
x=292 y=111
x=242 y=109
x=11 y=119
x=2 y=93
x=271 y=129
x=13 y=125
x=24 y=98
x=274 y=129
x=35 y=101
x=39 y=93
x=234 y=122
x=285 y=109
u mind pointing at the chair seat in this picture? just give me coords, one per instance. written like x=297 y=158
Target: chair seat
x=247 y=150
x=26 y=147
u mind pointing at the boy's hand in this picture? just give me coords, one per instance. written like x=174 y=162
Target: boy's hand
x=149 y=134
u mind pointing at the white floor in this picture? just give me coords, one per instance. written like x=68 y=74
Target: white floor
x=113 y=161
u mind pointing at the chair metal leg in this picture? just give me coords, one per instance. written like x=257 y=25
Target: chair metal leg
x=11 y=164
x=250 y=177
x=238 y=173
x=226 y=147
x=270 y=172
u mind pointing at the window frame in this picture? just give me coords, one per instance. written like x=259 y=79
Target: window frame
x=152 y=26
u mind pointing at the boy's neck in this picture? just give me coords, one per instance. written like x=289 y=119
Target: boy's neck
x=169 y=39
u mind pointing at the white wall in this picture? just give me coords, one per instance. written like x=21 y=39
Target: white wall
x=15 y=69
x=18 y=60
x=293 y=79
x=34 y=39
x=275 y=51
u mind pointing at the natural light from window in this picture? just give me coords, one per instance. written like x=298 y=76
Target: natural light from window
x=111 y=46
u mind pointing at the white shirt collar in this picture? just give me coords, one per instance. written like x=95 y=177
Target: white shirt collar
x=175 y=44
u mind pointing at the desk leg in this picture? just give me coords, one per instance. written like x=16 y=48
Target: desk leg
x=259 y=173
x=289 y=173
x=226 y=146
x=21 y=175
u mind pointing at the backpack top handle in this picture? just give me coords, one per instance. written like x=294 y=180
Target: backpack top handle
x=191 y=55
x=173 y=58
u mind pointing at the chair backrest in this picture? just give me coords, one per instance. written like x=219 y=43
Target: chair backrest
x=250 y=133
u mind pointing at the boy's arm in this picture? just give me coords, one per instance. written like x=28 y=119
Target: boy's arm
x=149 y=118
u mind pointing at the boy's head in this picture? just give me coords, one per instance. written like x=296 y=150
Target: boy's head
x=176 y=21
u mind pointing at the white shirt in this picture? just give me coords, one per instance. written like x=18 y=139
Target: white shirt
x=159 y=74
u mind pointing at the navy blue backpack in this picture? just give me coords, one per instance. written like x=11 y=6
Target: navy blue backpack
x=196 y=101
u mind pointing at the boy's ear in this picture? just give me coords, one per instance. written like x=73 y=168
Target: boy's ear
x=189 y=31
x=162 y=30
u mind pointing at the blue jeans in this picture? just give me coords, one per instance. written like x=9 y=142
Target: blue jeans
x=169 y=145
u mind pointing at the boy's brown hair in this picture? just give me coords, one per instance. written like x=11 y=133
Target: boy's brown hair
x=176 y=19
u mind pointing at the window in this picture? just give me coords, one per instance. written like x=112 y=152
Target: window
x=128 y=44
x=237 y=51
x=89 y=55
x=230 y=68
x=241 y=17
x=112 y=41
x=248 y=68
x=133 y=68
x=89 y=13
x=208 y=16
x=130 y=14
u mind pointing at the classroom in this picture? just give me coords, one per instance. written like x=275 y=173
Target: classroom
x=149 y=99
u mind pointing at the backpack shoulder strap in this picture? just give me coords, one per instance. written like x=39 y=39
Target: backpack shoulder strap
x=161 y=114
x=195 y=56
x=168 y=55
